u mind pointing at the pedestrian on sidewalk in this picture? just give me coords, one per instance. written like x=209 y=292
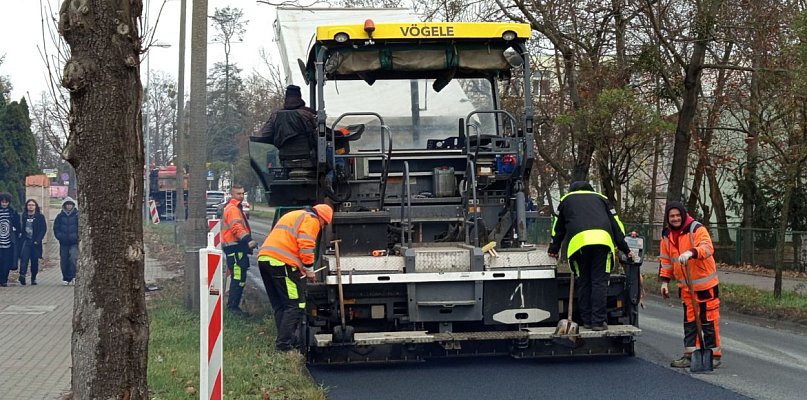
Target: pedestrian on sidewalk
x=686 y=243
x=237 y=244
x=65 y=228
x=286 y=260
x=33 y=228
x=590 y=227
x=9 y=233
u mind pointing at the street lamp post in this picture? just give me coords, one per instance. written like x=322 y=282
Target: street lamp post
x=147 y=130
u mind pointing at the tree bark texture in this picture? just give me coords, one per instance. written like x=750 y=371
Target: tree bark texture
x=110 y=324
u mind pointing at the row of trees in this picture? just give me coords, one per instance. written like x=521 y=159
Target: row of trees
x=18 y=155
x=694 y=100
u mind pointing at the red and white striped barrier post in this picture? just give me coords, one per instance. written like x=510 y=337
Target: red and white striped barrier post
x=155 y=216
x=214 y=240
x=211 y=332
x=214 y=227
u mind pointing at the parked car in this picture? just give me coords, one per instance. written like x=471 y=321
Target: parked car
x=214 y=199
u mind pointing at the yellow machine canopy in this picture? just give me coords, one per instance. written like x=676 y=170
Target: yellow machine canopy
x=425 y=50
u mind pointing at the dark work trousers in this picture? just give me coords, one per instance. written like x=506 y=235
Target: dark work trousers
x=68 y=255
x=6 y=263
x=592 y=264
x=286 y=289
x=238 y=264
x=26 y=256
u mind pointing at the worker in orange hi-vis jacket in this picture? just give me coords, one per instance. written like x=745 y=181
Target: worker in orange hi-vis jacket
x=237 y=244
x=286 y=259
x=686 y=241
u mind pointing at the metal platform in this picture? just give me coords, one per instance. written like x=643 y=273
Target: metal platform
x=409 y=337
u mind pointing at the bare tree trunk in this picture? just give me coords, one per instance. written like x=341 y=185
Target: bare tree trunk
x=719 y=208
x=704 y=22
x=779 y=259
x=749 y=185
x=654 y=181
x=110 y=325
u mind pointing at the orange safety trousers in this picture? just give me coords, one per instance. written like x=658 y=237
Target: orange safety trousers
x=708 y=302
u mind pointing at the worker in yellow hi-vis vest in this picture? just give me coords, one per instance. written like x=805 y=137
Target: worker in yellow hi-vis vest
x=589 y=225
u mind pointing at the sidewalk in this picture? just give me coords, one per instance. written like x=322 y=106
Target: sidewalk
x=762 y=282
x=36 y=325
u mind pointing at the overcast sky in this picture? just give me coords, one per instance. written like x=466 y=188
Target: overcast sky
x=21 y=36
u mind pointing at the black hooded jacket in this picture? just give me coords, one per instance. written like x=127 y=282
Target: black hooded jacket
x=65 y=226
x=292 y=130
x=583 y=209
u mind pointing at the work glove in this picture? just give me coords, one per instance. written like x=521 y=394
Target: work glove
x=685 y=256
x=665 y=291
x=252 y=244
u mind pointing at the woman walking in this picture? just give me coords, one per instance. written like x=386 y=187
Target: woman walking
x=33 y=231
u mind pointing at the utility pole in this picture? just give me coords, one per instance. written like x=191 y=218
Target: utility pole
x=196 y=226
x=179 y=139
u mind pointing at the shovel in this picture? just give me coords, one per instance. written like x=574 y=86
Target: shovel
x=701 y=360
x=566 y=334
x=342 y=333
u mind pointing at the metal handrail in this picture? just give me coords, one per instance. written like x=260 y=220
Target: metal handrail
x=510 y=120
x=348 y=114
x=470 y=169
x=406 y=190
x=384 y=157
x=385 y=170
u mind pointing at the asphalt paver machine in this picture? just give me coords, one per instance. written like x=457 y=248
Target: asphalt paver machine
x=426 y=172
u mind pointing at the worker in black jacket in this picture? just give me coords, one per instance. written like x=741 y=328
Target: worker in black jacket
x=292 y=129
x=591 y=229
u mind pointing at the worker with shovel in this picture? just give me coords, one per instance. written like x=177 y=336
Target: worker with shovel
x=686 y=255
x=591 y=230
x=286 y=260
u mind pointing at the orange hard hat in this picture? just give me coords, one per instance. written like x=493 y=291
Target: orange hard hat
x=325 y=212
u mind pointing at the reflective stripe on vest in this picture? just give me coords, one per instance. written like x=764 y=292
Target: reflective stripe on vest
x=283 y=252
x=589 y=237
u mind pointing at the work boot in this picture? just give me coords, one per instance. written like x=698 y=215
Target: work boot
x=601 y=327
x=587 y=326
x=683 y=362
x=33 y=282
x=22 y=280
x=716 y=361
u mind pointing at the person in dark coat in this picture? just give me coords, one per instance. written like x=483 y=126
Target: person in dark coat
x=65 y=228
x=292 y=129
x=33 y=228
x=9 y=233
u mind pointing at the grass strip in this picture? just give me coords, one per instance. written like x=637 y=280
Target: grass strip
x=252 y=368
x=743 y=299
